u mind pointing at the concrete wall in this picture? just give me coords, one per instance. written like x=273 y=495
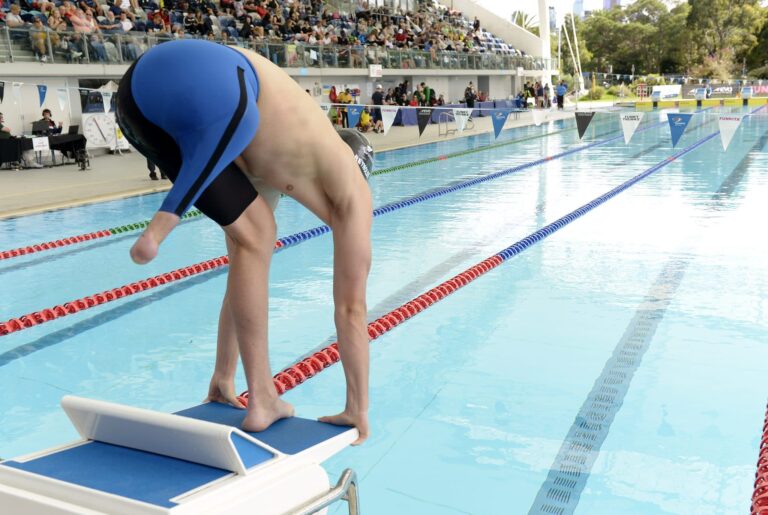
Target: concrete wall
x=502 y=28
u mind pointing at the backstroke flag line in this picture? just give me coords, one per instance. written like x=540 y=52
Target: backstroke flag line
x=677 y=124
x=583 y=119
x=461 y=116
x=354 y=115
x=62 y=98
x=423 y=116
x=499 y=119
x=388 y=115
x=728 y=125
x=629 y=124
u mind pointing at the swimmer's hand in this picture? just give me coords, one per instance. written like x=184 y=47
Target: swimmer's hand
x=145 y=248
x=223 y=391
x=346 y=418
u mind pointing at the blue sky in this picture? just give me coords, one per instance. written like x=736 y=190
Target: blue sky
x=506 y=7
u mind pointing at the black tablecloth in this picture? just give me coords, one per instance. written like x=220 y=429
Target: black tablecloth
x=68 y=144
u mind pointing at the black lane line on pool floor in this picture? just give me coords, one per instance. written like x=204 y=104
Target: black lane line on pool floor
x=561 y=491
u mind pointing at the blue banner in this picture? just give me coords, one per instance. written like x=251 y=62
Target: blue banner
x=354 y=115
x=41 y=90
x=499 y=117
x=677 y=124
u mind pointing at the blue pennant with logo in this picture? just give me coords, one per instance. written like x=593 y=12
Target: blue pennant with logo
x=354 y=115
x=41 y=90
x=677 y=124
x=499 y=117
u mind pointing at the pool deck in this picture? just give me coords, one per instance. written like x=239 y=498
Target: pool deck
x=29 y=191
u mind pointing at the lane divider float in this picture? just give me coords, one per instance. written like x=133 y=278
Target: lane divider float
x=310 y=366
x=46 y=315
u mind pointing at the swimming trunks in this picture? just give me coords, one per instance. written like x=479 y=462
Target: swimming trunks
x=190 y=107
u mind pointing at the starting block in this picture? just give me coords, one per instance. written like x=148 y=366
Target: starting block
x=142 y=462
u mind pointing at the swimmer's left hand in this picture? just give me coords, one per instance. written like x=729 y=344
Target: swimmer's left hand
x=146 y=247
x=223 y=391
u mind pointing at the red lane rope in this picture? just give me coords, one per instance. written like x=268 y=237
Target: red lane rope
x=760 y=496
x=314 y=364
x=72 y=307
x=39 y=247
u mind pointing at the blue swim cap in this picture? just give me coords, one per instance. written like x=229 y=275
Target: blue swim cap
x=190 y=104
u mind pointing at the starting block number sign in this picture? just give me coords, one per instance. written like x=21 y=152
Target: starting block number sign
x=40 y=144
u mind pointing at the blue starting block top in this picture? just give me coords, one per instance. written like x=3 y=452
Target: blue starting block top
x=289 y=435
x=157 y=479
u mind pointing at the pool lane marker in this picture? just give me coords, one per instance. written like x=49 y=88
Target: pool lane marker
x=299 y=372
x=561 y=491
x=760 y=495
x=104 y=233
x=69 y=308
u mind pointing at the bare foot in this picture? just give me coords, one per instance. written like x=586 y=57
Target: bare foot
x=345 y=418
x=261 y=416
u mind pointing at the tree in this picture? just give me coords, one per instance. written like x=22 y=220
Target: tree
x=524 y=20
x=726 y=24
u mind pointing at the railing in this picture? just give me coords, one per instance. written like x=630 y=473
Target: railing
x=118 y=48
x=345 y=489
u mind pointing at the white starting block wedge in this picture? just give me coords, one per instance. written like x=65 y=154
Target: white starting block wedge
x=137 y=461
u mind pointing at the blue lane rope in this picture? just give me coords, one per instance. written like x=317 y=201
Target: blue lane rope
x=293 y=239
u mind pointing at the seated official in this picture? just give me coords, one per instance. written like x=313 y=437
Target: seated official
x=5 y=132
x=53 y=128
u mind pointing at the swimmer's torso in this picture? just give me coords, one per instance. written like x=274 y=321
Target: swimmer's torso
x=296 y=149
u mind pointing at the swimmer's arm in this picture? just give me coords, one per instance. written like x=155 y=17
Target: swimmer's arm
x=352 y=262
x=145 y=248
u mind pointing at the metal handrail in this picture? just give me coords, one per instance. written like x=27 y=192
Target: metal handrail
x=345 y=489
x=300 y=55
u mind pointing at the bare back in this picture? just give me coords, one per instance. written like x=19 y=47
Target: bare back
x=296 y=150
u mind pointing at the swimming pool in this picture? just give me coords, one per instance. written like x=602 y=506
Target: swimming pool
x=658 y=294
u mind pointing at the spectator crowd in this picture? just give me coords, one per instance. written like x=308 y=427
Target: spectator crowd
x=68 y=26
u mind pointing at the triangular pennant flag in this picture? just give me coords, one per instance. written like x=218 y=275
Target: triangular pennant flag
x=106 y=98
x=728 y=125
x=677 y=124
x=388 y=114
x=461 y=116
x=538 y=116
x=2 y=90
x=423 y=116
x=62 y=98
x=17 y=91
x=499 y=119
x=83 y=99
x=583 y=119
x=41 y=91
x=326 y=108
x=354 y=113
x=629 y=124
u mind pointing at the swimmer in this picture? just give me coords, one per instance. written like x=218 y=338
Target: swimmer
x=233 y=131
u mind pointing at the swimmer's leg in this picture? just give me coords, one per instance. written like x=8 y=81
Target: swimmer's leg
x=351 y=226
x=252 y=240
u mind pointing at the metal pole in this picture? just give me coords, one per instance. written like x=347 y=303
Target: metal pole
x=578 y=57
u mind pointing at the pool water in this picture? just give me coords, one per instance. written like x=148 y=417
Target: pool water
x=629 y=345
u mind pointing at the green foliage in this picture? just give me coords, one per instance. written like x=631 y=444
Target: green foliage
x=595 y=93
x=706 y=35
x=613 y=91
x=759 y=73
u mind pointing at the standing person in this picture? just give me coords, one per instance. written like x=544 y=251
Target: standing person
x=232 y=155
x=378 y=99
x=545 y=91
x=561 y=90
x=5 y=132
x=344 y=98
x=470 y=96
x=152 y=175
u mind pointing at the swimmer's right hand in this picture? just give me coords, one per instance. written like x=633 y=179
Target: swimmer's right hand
x=145 y=248
x=222 y=390
x=359 y=420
